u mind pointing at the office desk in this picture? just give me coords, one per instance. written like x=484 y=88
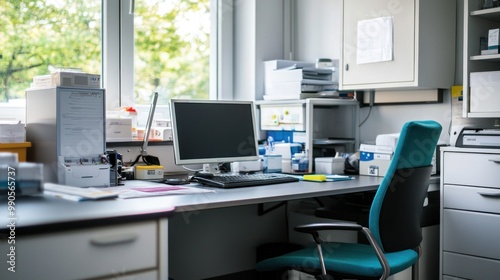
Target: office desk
x=56 y=226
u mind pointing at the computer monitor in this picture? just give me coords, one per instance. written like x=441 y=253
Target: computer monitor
x=212 y=132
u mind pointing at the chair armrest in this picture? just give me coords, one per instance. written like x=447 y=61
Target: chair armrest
x=310 y=228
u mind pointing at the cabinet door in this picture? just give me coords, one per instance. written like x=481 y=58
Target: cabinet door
x=362 y=29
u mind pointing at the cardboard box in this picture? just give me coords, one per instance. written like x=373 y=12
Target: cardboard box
x=373 y=164
x=329 y=165
x=67 y=79
x=119 y=129
x=162 y=133
x=374 y=160
x=493 y=40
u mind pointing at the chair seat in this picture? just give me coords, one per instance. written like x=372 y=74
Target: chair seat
x=347 y=258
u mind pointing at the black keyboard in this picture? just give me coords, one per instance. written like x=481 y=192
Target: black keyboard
x=245 y=180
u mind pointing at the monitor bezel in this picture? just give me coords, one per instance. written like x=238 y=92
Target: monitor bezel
x=219 y=160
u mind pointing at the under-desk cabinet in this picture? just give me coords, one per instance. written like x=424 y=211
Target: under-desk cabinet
x=405 y=44
x=125 y=251
x=470 y=214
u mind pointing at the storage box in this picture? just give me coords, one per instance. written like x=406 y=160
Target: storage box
x=162 y=133
x=148 y=172
x=118 y=129
x=485 y=91
x=373 y=164
x=19 y=148
x=329 y=165
x=12 y=132
x=68 y=79
x=374 y=160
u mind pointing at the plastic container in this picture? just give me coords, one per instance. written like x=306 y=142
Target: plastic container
x=300 y=162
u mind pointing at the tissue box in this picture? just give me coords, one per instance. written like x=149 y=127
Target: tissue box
x=374 y=160
x=329 y=165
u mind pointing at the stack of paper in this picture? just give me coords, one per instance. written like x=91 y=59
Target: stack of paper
x=286 y=79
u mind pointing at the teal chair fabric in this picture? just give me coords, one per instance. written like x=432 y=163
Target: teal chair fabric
x=394 y=231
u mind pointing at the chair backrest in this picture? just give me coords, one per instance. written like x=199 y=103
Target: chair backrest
x=398 y=204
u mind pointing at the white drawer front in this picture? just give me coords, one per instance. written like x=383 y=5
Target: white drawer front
x=471 y=233
x=469 y=267
x=471 y=198
x=472 y=169
x=113 y=251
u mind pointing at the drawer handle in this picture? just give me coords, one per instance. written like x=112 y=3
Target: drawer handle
x=495 y=160
x=489 y=194
x=113 y=239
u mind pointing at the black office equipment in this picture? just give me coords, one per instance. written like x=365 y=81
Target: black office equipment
x=245 y=180
x=212 y=132
x=394 y=231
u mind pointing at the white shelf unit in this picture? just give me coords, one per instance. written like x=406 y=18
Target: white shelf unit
x=329 y=122
x=476 y=24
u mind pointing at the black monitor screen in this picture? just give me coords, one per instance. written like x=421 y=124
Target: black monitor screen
x=207 y=131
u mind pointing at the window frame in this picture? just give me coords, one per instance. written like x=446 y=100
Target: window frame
x=118 y=52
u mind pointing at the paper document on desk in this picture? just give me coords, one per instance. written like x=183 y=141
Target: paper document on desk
x=334 y=178
x=159 y=190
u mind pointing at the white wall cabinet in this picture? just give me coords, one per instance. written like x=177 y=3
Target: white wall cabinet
x=477 y=22
x=319 y=123
x=470 y=214
x=405 y=44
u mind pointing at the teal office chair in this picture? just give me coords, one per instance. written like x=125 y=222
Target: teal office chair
x=394 y=233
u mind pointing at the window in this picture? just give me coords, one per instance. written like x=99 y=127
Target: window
x=36 y=35
x=163 y=46
x=172 y=49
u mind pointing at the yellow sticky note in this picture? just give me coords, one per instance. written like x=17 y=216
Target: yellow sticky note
x=315 y=177
x=456 y=91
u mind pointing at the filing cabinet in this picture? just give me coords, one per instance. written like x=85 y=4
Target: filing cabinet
x=470 y=214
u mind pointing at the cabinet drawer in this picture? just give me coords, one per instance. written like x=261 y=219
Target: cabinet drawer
x=105 y=251
x=471 y=233
x=471 y=169
x=469 y=267
x=471 y=198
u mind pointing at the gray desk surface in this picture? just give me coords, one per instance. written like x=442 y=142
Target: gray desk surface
x=42 y=213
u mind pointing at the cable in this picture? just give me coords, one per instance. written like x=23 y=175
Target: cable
x=367 y=116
